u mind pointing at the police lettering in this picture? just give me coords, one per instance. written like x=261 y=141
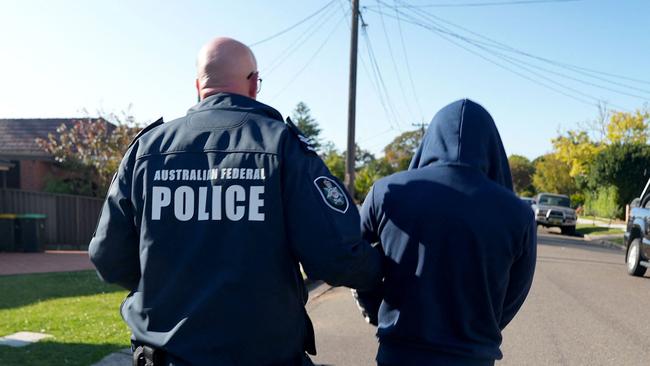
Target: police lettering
x=233 y=203
x=209 y=174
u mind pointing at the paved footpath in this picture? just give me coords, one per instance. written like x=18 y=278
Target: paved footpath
x=49 y=261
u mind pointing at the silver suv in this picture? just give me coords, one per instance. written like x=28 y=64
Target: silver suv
x=554 y=210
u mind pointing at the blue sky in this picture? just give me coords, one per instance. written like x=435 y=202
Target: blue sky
x=59 y=58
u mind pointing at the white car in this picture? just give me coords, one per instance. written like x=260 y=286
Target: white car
x=554 y=210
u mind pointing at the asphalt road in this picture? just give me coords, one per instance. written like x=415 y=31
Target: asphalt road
x=583 y=309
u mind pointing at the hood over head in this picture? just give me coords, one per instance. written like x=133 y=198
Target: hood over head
x=464 y=133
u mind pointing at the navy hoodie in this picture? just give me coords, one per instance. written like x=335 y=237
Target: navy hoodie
x=459 y=246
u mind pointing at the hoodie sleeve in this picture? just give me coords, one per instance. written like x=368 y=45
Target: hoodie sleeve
x=369 y=301
x=521 y=275
x=114 y=249
x=322 y=221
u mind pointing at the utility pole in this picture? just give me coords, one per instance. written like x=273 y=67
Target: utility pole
x=352 y=100
x=422 y=126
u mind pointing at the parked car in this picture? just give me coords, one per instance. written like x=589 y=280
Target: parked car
x=554 y=210
x=637 y=236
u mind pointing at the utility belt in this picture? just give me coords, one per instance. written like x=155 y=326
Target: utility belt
x=144 y=355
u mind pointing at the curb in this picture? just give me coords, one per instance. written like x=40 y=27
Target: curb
x=603 y=242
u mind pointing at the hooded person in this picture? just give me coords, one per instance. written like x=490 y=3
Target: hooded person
x=459 y=246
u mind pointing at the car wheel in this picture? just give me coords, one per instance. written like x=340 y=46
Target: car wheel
x=634 y=267
x=568 y=230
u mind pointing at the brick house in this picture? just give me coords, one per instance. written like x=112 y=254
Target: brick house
x=23 y=164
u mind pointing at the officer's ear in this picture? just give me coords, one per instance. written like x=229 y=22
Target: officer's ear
x=198 y=90
x=252 y=87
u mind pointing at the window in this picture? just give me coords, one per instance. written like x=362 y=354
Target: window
x=554 y=200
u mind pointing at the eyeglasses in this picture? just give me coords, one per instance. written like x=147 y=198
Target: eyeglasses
x=259 y=80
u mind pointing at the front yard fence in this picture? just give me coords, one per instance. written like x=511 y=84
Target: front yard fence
x=71 y=220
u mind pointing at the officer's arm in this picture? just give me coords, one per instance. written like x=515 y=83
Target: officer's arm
x=322 y=221
x=369 y=301
x=521 y=275
x=114 y=247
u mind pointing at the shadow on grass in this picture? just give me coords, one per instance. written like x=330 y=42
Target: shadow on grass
x=595 y=230
x=55 y=354
x=20 y=290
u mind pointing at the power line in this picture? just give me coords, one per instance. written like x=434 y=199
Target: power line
x=408 y=66
x=389 y=105
x=491 y=3
x=444 y=32
x=371 y=78
x=575 y=68
x=446 y=37
x=397 y=74
x=301 y=40
x=292 y=26
x=503 y=56
x=311 y=59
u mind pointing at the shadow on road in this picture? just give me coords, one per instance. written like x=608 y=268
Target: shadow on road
x=575 y=260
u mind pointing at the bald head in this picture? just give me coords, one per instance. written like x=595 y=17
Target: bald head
x=223 y=65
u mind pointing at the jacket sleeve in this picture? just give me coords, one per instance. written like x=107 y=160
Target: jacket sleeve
x=322 y=221
x=114 y=248
x=521 y=275
x=370 y=300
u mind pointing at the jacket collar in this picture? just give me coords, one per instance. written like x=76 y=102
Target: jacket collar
x=235 y=102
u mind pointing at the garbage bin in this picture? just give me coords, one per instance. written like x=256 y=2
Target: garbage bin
x=7 y=232
x=30 y=233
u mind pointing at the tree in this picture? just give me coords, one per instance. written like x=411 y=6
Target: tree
x=629 y=128
x=623 y=166
x=522 y=175
x=604 y=203
x=91 y=152
x=577 y=150
x=307 y=124
x=334 y=160
x=401 y=150
x=368 y=175
x=552 y=175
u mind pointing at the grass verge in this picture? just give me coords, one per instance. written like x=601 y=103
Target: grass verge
x=80 y=311
x=588 y=229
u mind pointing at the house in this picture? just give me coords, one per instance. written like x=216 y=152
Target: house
x=23 y=163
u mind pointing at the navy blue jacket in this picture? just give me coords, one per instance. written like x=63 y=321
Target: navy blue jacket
x=206 y=222
x=460 y=247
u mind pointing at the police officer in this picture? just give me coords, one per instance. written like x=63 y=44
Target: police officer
x=208 y=218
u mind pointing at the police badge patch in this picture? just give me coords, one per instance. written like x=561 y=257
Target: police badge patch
x=332 y=194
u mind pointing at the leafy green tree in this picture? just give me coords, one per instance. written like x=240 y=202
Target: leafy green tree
x=301 y=116
x=362 y=157
x=552 y=176
x=401 y=150
x=604 y=202
x=368 y=175
x=522 y=175
x=334 y=160
x=624 y=166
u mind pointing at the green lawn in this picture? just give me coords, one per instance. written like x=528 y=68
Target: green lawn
x=80 y=311
x=588 y=229
x=619 y=241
